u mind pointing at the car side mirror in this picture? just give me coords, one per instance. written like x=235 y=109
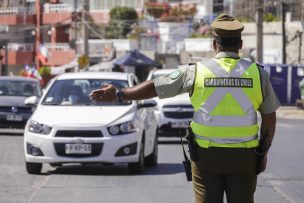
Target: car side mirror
x=147 y=103
x=31 y=101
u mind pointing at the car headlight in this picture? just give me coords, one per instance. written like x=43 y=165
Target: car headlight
x=39 y=128
x=114 y=130
x=123 y=128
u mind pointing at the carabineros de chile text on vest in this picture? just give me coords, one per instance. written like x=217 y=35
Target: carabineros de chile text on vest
x=228 y=82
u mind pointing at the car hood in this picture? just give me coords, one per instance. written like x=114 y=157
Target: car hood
x=12 y=101
x=80 y=115
x=182 y=99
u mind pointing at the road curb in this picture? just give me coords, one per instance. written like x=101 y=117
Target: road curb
x=290 y=112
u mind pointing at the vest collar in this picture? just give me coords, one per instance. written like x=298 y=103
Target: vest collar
x=227 y=55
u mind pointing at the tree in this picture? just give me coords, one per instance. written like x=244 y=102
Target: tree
x=121 y=21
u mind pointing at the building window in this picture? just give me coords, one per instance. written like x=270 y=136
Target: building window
x=218 y=6
x=109 y=4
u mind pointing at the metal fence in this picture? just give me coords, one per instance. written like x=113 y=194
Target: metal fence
x=285 y=81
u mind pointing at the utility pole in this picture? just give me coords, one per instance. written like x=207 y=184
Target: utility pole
x=1 y=57
x=6 y=58
x=4 y=69
x=301 y=35
x=300 y=46
x=259 y=23
x=37 y=33
x=231 y=8
x=284 y=9
x=85 y=27
x=75 y=17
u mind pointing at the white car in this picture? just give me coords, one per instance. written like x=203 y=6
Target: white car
x=67 y=127
x=174 y=114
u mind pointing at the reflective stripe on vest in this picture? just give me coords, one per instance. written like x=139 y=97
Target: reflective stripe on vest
x=228 y=140
x=203 y=115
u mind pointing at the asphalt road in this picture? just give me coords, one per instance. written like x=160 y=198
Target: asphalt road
x=283 y=181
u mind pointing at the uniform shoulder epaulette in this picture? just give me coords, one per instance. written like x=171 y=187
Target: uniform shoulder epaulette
x=260 y=65
x=186 y=65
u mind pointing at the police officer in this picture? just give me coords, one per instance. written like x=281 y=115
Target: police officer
x=226 y=92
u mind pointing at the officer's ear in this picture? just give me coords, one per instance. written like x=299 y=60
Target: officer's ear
x=214 y=44
x=240 y=45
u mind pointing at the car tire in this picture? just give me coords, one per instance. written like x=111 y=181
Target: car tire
x=151 y=160
x=33 y=168
x=138 y=167
x=159 y=132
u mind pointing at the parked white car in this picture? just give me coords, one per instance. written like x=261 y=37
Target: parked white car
x=67 y=127
x=173 y=114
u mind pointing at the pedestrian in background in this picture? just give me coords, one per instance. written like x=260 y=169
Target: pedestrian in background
x=226 y=93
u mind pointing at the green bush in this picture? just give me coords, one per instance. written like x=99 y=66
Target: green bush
x=121 y=21
x=197 y=35
x=245 y=19
x=44 y=70
x=269 y=17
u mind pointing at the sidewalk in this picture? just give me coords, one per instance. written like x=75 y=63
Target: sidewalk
x=290 y=112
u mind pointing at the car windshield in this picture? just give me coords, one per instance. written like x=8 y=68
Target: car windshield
x=19 y=88
x=75 y=92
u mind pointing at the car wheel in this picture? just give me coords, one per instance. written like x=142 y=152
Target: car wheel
x=158 y=132
x=151 y=160
x=138 y=167
x=33 y=168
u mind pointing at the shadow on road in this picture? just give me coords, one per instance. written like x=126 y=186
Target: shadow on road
x=116 y=170
x=171 y=142
x=14 y=132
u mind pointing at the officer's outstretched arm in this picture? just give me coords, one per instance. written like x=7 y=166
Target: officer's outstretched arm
x=107 y=93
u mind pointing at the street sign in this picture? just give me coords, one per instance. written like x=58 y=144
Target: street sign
x=83 y=61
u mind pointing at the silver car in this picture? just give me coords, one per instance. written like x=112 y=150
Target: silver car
x=174 y=114
x=13 y=91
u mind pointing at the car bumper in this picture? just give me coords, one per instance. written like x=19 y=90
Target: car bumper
x=5 y=123
x=171 y=123
x=104 y=149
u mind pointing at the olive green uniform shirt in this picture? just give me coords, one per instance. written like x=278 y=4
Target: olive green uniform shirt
x=182 y=81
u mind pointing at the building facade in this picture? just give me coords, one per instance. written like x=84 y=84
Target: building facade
x=28 y=25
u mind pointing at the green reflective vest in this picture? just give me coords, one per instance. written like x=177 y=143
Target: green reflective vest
x=227 y=93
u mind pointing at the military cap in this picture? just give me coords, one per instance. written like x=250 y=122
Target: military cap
x=226 y=26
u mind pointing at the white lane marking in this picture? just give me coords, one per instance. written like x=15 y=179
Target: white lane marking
x=274 y=184
x=284 y=125
x=38 y=189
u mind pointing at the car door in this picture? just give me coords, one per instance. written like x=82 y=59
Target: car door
x=150 y=125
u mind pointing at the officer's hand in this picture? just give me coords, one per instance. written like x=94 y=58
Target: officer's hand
x=107 y=93
x=263 y=163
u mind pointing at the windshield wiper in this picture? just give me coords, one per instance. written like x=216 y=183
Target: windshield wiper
x=51 y=104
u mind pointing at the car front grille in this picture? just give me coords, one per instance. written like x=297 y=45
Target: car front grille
x=78 y=133
x=185 y=106
x=12 y=124
x=96 y=150
x=179 y=115
x=178 y=111
x=19 y=109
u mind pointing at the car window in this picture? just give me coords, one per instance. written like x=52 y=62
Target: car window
x=134 y=82
x=76 y=92
x=19 y=88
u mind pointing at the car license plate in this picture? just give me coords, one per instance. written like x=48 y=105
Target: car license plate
x=180 y=124
x=78 y=148
x=14 y=117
